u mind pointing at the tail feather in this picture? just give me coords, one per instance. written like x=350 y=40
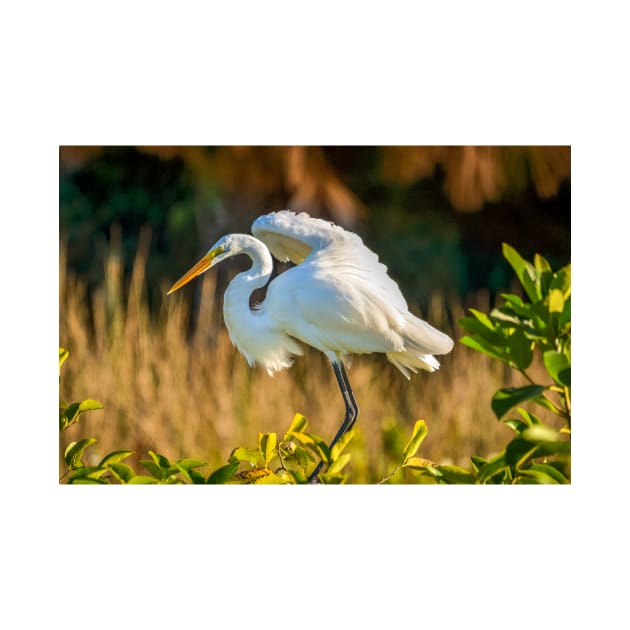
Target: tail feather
x=408 y=362
x=423 y=338
x=421 y=342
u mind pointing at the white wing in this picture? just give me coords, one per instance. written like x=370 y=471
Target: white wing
x=341 y=294
x=327 y=246
x=293 y=237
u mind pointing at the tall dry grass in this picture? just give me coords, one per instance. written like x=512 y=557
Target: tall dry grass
x=189 y=394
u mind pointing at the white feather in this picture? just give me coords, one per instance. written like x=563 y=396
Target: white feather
x=338 y=298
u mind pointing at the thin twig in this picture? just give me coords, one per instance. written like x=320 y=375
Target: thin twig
x=391 y=474
x=526 y=375
x=280 y=457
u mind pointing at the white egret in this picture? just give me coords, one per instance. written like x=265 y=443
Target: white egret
x=337 y=298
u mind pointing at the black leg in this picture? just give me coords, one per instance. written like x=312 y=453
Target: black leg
x=353 y=402
x=352 y=411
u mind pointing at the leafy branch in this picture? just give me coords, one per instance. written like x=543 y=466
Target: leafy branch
x=514 y=332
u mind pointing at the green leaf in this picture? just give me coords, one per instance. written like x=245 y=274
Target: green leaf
x=298 y=476
x=530 y=418
x=516 y=305
x=477 y=463
x=267 y=445
x=303 y=457
x=562 y=280
x=556 y=301
x=431 y=471
x=541 y=263
x=316 y=444
x=558 y=366
x=88 y=474
x=546 y=278
x=565 y=317
x=141 y=479
x=496 y=466
x=93 y=481
x=520 y=349
x=549 y=471
x=160 y=460
x=188 y=464
x=504 y=318
x=525 y=272
x=74 y=452
x=123 y=472
x=417 y=463
x=173 y=481
x=72 y=412
x=223 y=474
x=297 y=426
x=541 y=433
x=529 y=475
x=543 y=401
x=89 y=405
x=456 y=474
x=419 y=433
x=482 y=318
x=285 y=475
x=518 y=452
x=481 y=345
x=196 y=477
x=472 y=325
x=509 y=397
x=63 y=423
x=270 y=478
x=341 y=444
x=338 y=465
x=187 y=468
x=332 y=479
x=516 y=425
x=549 y=441
x=243 y=454
x=63 y=355
x=153 y=468
x=115 y=457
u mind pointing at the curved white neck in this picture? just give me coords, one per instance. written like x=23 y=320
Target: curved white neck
x=242 y=323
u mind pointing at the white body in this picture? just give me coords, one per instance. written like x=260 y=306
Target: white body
x=338 y=298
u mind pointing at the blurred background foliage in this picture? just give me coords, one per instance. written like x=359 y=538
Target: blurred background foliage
x=133 y=219
x=441 y=210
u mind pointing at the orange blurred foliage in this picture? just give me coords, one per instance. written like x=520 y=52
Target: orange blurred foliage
x=474 y=175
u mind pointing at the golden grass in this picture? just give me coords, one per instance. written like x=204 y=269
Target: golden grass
x=193 y=395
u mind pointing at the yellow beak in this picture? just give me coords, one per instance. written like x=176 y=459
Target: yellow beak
x=197 y=269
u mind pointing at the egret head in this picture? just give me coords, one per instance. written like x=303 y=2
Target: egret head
x=222 y=249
